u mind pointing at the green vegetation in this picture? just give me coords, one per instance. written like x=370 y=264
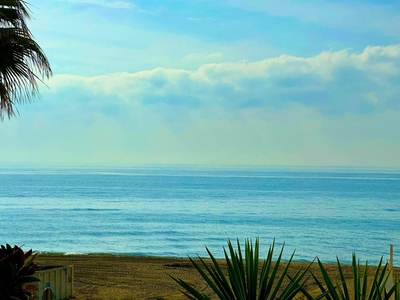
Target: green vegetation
x=16 y=269
x=363 y=288
x=21 y=58
x=246 y=279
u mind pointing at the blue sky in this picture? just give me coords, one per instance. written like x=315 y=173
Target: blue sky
x=305 y=83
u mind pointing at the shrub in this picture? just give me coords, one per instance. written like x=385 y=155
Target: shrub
x=360 y=288
x=244 y=280
x=16 y=269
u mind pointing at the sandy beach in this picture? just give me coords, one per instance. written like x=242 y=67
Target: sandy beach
x=124 y=277
x=133 y=277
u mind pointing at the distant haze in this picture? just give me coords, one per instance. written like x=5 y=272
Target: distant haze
x=303 y=83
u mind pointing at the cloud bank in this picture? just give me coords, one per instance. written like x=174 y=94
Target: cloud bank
x=330 y=82
x=335 y=108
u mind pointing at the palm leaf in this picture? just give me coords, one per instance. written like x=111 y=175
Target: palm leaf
x=22 y=62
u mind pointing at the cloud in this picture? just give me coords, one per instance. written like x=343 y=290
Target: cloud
x=104 y=3
x=334 y=108
x=330 y=82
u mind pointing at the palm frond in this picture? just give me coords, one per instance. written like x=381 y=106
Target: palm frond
x=22 y=62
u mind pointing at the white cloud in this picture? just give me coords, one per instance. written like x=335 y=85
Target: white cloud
x=331 y=82
x=335 y=108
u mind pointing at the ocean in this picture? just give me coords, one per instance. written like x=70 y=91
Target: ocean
x=178 y=210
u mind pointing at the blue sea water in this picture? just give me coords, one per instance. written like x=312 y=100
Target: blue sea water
x=177 y=211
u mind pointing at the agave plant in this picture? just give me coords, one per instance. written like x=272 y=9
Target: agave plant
x=16 y=269
x=244 y=279
x=362 y=288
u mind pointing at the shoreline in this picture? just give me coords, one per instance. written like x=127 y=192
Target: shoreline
x=294 y=260
x=109 y=276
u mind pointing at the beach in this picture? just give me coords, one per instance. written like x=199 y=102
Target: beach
x=125 y=277
x=139 y=277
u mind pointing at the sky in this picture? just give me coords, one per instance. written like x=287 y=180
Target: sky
x=222 y=82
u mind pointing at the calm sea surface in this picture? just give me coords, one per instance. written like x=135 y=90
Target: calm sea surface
x=177 y=211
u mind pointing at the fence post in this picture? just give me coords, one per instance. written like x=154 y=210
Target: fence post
x=390 y=281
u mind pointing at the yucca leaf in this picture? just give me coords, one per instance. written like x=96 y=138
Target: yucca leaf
x=248 y=265
x=275 y=271
x=251 y=286
x=378 y=295
x=269 y=284
x=379 y=278
x=363 y=291
x=254 y=272
x=383 y=276
x=294 y=286
x=356 y=277
x=392 y=290
x=264 y=277
x=221 y=285
x=206 y=278
x=190 y=290
x=345 y=293
x=333 y=295
x=303 y=290
x=236 y=271
x=245 y=281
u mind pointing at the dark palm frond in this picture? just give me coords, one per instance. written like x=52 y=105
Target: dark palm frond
x=22 y=62
x=15 y=13
x=6 y=103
